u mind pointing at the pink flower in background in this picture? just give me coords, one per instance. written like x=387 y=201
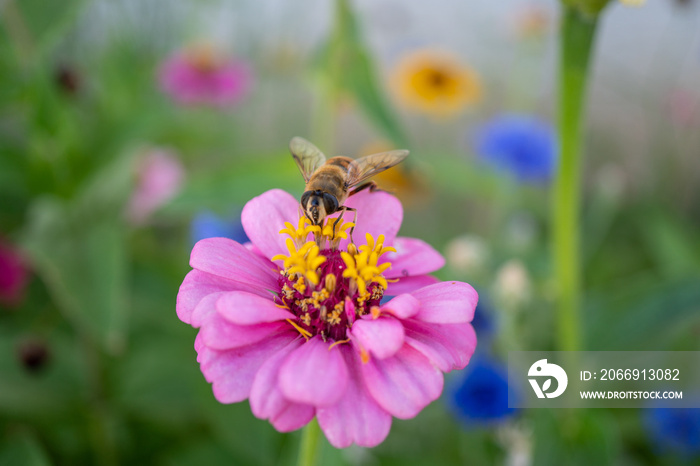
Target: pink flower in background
x=297 y=326
x=200 y=75
x=683 y=107
x=159 y=178
x=13 y=275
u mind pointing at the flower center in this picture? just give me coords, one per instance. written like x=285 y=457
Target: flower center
x=325 y=288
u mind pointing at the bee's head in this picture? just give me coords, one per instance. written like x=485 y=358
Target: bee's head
x=317 y=205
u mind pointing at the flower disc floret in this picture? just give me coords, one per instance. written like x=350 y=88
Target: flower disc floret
x=344 y=284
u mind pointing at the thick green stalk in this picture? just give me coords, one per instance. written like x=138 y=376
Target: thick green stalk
x=577 y=36
x=308 y=448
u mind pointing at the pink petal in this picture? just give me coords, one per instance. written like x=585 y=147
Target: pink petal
x=402 y=306
x=410 y=284
x=403 y=384
x=383 y=337
x=412 y=257
x=206 y=308
x=356 y=418
x=448 y=346
x=251 y=247
x=226 y=258
x=241 y=308
x=267 y=401
x=264 y=216
x=378 y=213
x=314 y=374
x=218 y=333
x=232 y=372
x=198 y=284
x=447 y=303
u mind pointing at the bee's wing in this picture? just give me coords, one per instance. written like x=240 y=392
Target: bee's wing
x=307 y=156
x=362 y=169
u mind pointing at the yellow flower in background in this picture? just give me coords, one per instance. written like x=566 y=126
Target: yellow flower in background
x=633 y=2
x=435 y=82
x=406 y=181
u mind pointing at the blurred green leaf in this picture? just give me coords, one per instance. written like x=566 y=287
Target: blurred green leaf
x=670 y=244
x=79 y=249
x=236 y=184
x=42 y=23
x=206 y=452
x=644 y=322
x=48 y=392
x=23 y=448
x=347 y=63
x=587 y=438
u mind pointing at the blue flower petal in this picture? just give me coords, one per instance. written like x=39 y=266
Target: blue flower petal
x=521 y=145
x=206 y=224
x=480 y=395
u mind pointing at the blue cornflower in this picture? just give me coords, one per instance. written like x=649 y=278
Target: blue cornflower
x=483 y=321
x=675 y=429
x=480 y=393
x=522 y=145
x=207 y=224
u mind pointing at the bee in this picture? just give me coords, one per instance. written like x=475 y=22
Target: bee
x=330 y=182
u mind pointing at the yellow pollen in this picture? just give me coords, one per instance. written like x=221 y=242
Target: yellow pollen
x=334 y=318
x=306 y=318
x=300 y=286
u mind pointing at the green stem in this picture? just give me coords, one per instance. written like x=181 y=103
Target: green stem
x=308 y=448
x=576 y=44
x=323 y=116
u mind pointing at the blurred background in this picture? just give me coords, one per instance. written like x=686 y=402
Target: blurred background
x=130 y=129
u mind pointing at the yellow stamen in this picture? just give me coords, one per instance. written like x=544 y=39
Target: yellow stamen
x=330 y=283
x=337 y=343
x=304 y=333
x=375 y=312
x=377 y=247
x=302 y=262
x=335 y=230
x=306 y=318
x=300 y=234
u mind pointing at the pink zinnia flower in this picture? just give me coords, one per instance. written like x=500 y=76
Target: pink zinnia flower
x=13 y=275
x=159 y=177
x=297 y=326
x=200 y=75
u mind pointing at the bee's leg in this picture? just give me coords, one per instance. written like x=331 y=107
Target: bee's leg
x=340 y=217
x=354 y=221
x=370 y=184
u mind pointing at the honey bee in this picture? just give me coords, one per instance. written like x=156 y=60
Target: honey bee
x=330 y=182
